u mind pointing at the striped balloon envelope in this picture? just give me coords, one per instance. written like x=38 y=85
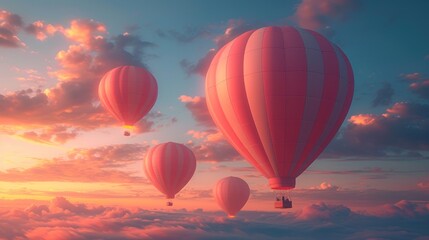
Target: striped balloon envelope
x=128 y=93
x=279 y=95
x=169 y=166
x=231 y=194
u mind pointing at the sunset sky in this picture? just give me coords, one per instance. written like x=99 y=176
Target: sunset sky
x=60 y=150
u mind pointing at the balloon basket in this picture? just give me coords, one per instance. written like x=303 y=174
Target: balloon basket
x=282 y=201
x=127 y=133
x=169 y=204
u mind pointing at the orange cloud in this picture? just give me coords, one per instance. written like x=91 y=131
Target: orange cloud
x=42 y=30
x=84 y=31
x=362 y=119
x=102 y=164
x=59 y=113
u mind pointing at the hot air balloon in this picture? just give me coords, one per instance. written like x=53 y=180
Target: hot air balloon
x=279 y=95
x=231 y=194
x=128 y=93
x=169 y=166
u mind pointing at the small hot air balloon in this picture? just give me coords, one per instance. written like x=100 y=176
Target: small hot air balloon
x=279 y=96
x=169 y=166
x=128 y=93
x=231 y=194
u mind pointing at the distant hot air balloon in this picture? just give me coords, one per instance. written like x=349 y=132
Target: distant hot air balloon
x=231 y=194
x=279 y=95
x=169 y=166
x=128 y=93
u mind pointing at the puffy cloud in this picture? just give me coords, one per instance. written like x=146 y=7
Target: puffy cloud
x=61 y=112
x=319 y=14
x=102 y=164
x=402 y=130
x=383 y=96
x=41 y=30
x=84 y=31
x=64 y=219
x=198 y=108
x=10 y=24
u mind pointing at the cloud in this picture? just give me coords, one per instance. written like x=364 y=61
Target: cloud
x=64 y=219
x=421 y=88
x=423 y=185
x=402 y=130
x=59 y=113
x=85 y=31
x=102 y=164
x=209 y=144
x=218 y=151
x=418 y=84
x=41 y=30
x=326 y=186
x=412 y=76
x=383 y=96
x=198 y=107
x=320 y=14
x=404 y=209
x=201 y=66
x=189 y=34
x=30 y=77
x=233 y=28
x=322 y=211
x=10 y=24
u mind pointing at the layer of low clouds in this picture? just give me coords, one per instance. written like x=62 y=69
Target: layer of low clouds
x=62 y=219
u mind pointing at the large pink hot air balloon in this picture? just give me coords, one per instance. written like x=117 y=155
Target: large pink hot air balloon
x=279 y=95
x=231 y=194
x=128 y=93
x=169 y=166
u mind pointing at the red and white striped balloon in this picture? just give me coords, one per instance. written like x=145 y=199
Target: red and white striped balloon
x=128 y=93
x=231 y=194
x=169 y=166
x=279 y=95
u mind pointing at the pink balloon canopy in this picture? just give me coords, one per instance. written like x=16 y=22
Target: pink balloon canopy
x=279 y=95
x=231 y=194
x=128 y=93
x=169 y=166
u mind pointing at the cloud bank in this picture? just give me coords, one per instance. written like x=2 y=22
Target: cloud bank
x=62 y=219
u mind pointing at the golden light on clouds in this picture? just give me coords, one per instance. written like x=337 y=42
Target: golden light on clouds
x=362 y=119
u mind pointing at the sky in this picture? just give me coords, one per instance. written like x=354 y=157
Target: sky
x=64 y=158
